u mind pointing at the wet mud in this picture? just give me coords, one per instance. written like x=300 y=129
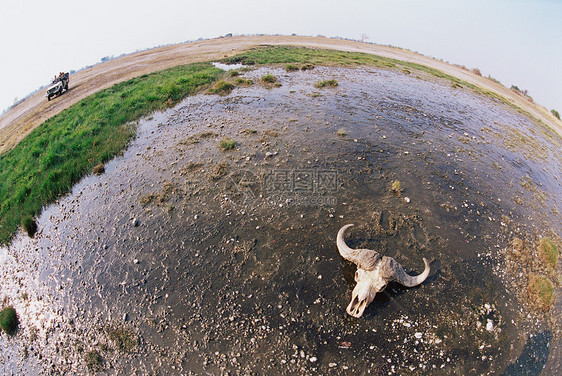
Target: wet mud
x=217 y=261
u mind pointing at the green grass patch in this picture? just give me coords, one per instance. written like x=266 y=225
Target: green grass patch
x=306 y=58
x=541 y=292
x=56 y=155
x=243 y=82
x=9 y=320
x=269 y=78
x=222 y=87
x=228 y=144
x=291 y=68
x=325 y=83
x=548 y=253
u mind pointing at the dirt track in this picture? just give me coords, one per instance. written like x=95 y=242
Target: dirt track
x=22 y=119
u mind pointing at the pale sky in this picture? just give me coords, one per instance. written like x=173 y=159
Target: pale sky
x=518 y=42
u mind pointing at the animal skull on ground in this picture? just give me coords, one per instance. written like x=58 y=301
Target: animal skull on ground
x=373 y=273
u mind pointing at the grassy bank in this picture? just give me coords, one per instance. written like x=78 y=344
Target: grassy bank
x=57 y=154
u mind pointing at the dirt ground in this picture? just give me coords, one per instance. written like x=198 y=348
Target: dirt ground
x=23 y=118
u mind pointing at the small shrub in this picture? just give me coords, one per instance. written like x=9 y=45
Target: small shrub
x=269 y=78
x=307 y=66
x=227 y=144
x=326 y=83
x=342 y=133
x=243 y=82
x=99 y=169
x=291 y=68
x=541 y=292
x=494 y=80
x=94 y=361
x=548 y=252
x=124 y=339
x=29 y=225
x=395 y=187
x=555 y=113
x=9 y=321
x=233 y=73
x=222 y=87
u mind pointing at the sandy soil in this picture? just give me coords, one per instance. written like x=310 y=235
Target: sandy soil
x=22 y=119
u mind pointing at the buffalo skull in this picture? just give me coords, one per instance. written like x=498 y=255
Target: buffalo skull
x=373 y=273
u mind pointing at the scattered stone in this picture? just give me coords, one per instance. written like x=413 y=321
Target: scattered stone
x=345 y=345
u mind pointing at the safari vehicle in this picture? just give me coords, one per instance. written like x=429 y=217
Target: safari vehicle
x=58 y=86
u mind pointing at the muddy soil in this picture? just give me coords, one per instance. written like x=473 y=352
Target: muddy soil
x=220 y=261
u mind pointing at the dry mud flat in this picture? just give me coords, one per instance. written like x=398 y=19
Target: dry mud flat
x=186 y=259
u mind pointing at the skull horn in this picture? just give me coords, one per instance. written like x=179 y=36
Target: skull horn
x=365 y=259
x=392 y=270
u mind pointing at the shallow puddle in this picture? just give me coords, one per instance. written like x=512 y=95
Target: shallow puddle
x=223 y=262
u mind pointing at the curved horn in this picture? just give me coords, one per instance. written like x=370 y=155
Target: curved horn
x=364 y=258
x=392 y=270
